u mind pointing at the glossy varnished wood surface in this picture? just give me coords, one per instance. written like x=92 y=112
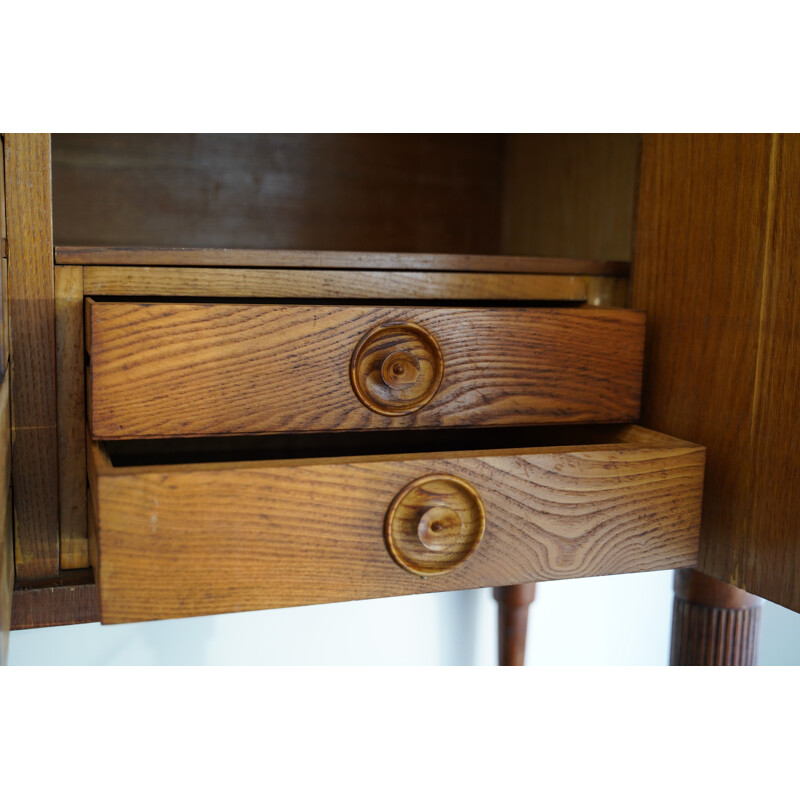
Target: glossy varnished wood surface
x=322 y=259
x=395 y=192
x=183 y=540
x=32 y=329
x=185 y=369
x=335 y=283
x=717 y=247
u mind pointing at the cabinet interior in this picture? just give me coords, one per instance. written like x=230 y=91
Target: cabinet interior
x=557 y=195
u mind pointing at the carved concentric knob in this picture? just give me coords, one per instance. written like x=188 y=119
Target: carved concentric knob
x=396 y=369
x=434 y=524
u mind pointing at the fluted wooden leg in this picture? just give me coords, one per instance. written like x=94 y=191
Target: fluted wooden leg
x=713 y=623
x=513 y=602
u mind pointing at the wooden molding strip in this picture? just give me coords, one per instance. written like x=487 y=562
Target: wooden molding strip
x=71 y=418
x=320 y=259
x=344 y=284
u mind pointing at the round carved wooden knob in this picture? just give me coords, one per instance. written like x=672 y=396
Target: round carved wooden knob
x=434 y=524
x=396 y=369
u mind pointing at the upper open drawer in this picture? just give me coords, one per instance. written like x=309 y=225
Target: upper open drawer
x=190 y=369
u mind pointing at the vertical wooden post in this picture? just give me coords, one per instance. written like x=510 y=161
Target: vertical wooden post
x=713 y=623
x=513 y=603
x=34 y=455
x=6 y=528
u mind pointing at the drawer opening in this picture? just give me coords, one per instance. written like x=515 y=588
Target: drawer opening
x=388 y=302
x=155 y=452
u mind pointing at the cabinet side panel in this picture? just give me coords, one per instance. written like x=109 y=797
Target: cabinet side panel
x=33 y=363
x=713 y=270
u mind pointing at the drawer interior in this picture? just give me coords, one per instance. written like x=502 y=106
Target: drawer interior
x=228 y=449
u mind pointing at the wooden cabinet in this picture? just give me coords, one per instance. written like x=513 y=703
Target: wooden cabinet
x=198 y=338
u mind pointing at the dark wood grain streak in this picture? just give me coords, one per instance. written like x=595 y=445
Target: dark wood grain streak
x=170 y=369
x=33 y=365
x=221 y=258
x=184 y=540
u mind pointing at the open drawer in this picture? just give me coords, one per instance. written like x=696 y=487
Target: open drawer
x=211 y=533
x=160 y=369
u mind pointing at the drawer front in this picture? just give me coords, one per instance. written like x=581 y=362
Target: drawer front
x=183 y=369
x=184 y=540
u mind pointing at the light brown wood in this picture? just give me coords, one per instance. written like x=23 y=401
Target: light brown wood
x=434 y=524
x=344 y=284
x=396 y=369
x=181 y=540
x=171 y=369
x=570 y=194
x=396 y=192
x=71 y=417
x=33 y=364
x=716 y=255
x=222 y=258
x=6 y=523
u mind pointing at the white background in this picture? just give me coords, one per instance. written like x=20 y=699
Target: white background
x=617 y=620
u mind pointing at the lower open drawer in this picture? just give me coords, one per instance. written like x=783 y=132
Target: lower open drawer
x=174 y=536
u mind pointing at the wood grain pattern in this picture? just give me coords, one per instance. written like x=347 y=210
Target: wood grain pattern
x=62 y=604
x=768 y=548
x=223 y=258
x=716 y=254
x=396 y=192
x=434 y=524
x=71 y=417
x=570 y=194
x=713 y=623
x=3 y=265
x=183 y=540
x=32 y=329
x=6 y=522
x=171 y=369
x=327 y=283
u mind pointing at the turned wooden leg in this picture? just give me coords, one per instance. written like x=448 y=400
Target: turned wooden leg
x=513 y=602
x=713 y=623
